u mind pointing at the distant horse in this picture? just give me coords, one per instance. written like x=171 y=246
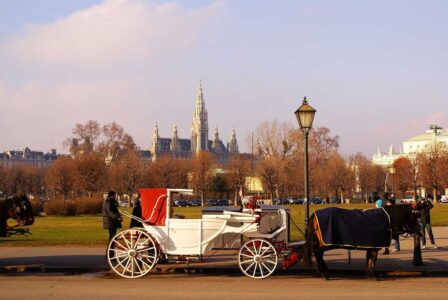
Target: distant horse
x=18 y=208
x=369 y=230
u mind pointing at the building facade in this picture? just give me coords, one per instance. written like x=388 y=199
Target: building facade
x=419 y=143
x=27 y=157
x=199 y=140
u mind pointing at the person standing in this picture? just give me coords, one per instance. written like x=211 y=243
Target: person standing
x=111 y=215
x=424 y=206
x=136 y=212
x=395 y=238
x=379 y=203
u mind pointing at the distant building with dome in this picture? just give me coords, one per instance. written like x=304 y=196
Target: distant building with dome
x=199 y=140
x=434 y=135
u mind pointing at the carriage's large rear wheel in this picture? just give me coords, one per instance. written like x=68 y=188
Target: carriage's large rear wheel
x=132 y=253
x=257 y=258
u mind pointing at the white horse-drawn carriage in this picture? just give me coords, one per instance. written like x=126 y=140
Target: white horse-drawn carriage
x=134 y=252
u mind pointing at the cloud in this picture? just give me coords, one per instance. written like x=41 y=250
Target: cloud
x=92 y=64
x=113 y=33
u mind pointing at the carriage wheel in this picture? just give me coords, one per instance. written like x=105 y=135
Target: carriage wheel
x=132 y=253
x=257 y=258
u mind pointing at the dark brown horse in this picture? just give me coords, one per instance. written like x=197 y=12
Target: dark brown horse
x=18 y=208
x=400 y=219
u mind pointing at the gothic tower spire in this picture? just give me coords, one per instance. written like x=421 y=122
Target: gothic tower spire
x=233 y=144
x=155 y=143
x=175 y=144
x=199 y=126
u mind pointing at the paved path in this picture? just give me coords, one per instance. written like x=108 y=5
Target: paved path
x=219 y=287
x=91 y=259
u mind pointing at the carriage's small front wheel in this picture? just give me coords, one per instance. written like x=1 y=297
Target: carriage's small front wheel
x=257 y=258
x=132 y=253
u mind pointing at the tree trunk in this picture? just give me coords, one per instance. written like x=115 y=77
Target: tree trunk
x=202 y=198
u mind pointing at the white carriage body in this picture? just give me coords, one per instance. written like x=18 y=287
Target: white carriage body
x=195 y=236
x=134 y=252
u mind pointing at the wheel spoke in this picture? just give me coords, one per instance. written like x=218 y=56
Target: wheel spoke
x=139 y=234
x=246 y=261
x=145 y=249
x=261 y=270
x=270 y=262
x=253 y=254
x=126 y=268
x=242 y=254
x=126 y=241
x=269 y=255
x=249 y=267
x=254 y=247
x=138 y=265
x=117 y=243
x=268 y=248
x=149 y=267
x=260 y=247
x=266 y=267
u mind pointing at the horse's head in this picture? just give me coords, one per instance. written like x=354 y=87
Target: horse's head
x=403 y=218
x=22 y=211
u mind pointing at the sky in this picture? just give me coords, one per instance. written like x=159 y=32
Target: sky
x=375 y=71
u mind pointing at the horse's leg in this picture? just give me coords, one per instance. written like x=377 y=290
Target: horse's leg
x=321 y=265
x=371 y=256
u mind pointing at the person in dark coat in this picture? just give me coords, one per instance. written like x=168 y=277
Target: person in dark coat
x=136 y=212
x=111 y=215
x=424 y=207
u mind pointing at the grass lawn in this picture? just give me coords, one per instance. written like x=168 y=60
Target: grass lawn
x=87 y=230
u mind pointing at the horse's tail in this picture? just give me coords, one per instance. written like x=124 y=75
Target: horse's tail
x=307 y=249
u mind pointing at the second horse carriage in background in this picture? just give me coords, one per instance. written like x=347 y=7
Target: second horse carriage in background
x=135 y=252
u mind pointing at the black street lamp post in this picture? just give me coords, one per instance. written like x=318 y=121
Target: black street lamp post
x=392 y=171
x=305 y=116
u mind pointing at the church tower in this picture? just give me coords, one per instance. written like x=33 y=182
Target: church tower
x=175 y=144
x=199 y=126
x=232 y=147
x=155 y=144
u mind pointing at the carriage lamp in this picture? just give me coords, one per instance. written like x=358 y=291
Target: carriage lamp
x=305 y=116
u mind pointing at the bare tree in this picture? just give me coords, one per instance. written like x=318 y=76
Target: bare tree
x=116 y=142
x=341 y=176
x=110 y=140
x=238 y=169
x=127 y=174
x=169 y=172
x=431 y=166
x=275 y=139
x=85 y=138
x=202 y=173
x=404 y=175
x=61 y=176
x=91 y=173
x=364 y=174
x=269 y=170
